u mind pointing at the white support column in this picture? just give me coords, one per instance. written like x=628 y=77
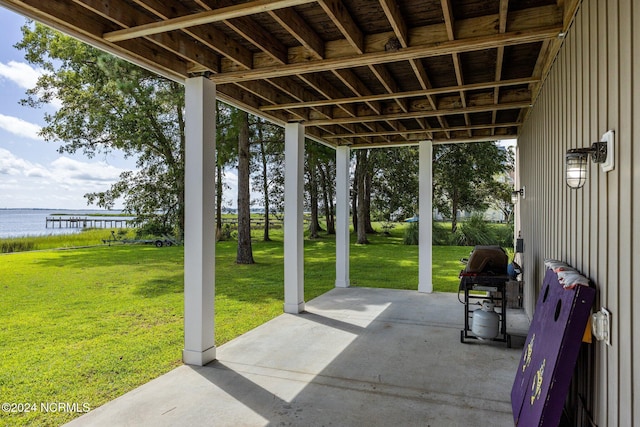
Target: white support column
x=342 y=217
x=199 y=238
x=425 y=281
x=293 y=218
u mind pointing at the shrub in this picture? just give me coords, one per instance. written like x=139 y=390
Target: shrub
x=441 y=234
x=16 y=245
x=474 y=231
x=503 y=236
x=411 y=234
x=153 y=228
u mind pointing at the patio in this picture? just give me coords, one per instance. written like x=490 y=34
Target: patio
x=356 y=356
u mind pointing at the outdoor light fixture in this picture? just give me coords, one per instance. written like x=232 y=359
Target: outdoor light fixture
x=576 y=160
x=516 y=194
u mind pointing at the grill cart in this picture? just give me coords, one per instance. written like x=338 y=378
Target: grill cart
x=483 y=282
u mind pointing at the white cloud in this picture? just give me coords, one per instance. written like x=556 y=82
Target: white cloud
x=65 y=169
x=25 y=76
x=61 y=183
x=12 y=165
x=20 y=73
x=64 y=173
x=19 y=127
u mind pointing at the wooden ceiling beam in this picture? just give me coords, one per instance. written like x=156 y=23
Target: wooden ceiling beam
x=209 y=36
x=356 y=86
x=395 y=18
x=435 y=141
x=425 y=83
x=401 y=95
x=251 y=31
x=428 y=113
x=177 y=43
x=502 y=28
x=78 y=21
x=391 y=86
x=503 y=11
x=262 y=39
x=381 y=57
x=447 y=14
x=323 y=87
x=300 y=30
x=201 y=18
x=341 y=17
x=297 y=92
x=421 y=131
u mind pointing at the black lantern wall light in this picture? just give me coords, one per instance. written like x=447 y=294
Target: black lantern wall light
x=515 y=195
x=602 y=152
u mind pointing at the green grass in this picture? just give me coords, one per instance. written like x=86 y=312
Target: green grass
x=89 y=237
x=87 y=325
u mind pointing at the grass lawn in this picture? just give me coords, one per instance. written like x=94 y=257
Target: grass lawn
x=86 y=325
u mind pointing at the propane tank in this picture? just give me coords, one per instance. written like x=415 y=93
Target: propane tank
x=485 y=321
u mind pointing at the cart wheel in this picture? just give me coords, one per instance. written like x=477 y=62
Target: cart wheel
x=462 y=337
x=508 y=341
x=169 y=243
x=158 y=243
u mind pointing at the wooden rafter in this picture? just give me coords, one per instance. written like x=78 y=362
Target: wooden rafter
x=395 y=18
x=357 y=72
x=202 y=18
x=383 y=57
x=502 y=28
x=345 y=23
x=422 y=131
x=412 y=114
x=401 y=95
x=246 y=27
x=298 y=27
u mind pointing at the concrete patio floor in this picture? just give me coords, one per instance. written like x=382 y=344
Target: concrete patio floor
x=356 y=357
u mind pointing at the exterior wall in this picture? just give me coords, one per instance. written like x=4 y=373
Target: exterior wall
x=593 y=86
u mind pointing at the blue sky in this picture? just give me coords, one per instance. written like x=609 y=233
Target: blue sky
x=32 y=173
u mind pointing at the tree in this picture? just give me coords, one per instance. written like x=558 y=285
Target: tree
x=226 y=153
x=395 y=183
x=268 y=177
x=327 y=171
x=360 y=185
x=460 y=172
x=499 y=189
x=312 y=186
x=245 y=251
x=109 y=104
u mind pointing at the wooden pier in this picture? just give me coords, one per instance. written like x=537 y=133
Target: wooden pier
x=87 y=222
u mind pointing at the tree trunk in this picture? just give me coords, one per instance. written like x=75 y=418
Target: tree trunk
x=314 y=225
x=367 y=196
x=327 y=199
x=354 y=202
x=245 y=252
x=360 y=184
x=265 y=184
x=454 y=213
x=218 y=201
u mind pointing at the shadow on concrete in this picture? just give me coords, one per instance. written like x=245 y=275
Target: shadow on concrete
x=375 y=357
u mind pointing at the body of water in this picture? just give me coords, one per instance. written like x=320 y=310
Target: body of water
x=32 y=222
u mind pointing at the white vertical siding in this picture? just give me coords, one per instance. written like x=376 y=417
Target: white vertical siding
x=593 y=86
x=634 y=297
